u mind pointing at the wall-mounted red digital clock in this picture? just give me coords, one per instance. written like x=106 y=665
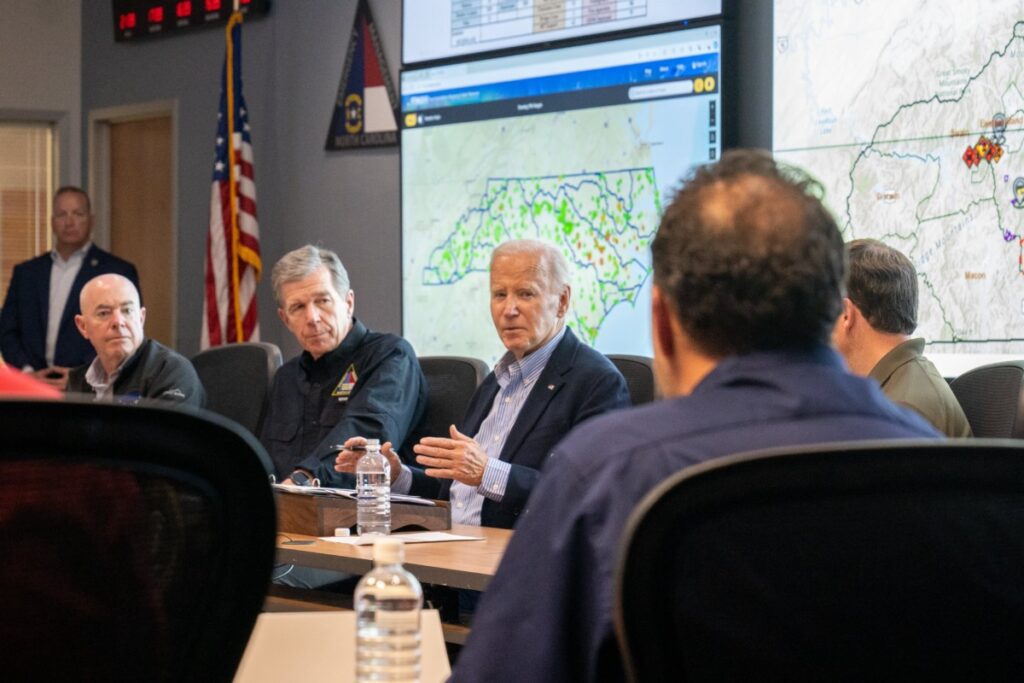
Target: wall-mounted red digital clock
x=134 y=19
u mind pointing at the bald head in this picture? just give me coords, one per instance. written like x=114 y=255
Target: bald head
x=111 y=318
x=103 y=284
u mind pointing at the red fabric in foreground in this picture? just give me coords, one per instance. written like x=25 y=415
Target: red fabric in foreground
x=16 y=383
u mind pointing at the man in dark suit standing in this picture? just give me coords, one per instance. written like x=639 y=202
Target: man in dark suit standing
x=37 y=323
x=547 y=382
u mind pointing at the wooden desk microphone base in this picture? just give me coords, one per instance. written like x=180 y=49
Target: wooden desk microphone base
x=311 y=515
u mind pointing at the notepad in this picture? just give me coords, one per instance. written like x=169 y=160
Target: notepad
x=411 y=537
x=329 y=492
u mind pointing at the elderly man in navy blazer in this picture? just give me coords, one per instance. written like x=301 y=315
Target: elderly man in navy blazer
x=546 y=383
x=37 y=323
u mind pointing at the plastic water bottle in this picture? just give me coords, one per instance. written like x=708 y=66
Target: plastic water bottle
x=373 y=492
x=387 y=602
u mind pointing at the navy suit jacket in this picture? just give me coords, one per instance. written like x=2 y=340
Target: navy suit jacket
x=26 y=310
x=576 y=384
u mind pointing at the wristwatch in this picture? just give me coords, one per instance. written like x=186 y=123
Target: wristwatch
x=300 y=478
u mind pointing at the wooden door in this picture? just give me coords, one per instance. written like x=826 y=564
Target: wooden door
x=141 y=229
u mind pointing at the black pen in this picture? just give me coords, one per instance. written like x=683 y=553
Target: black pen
x=343 y=447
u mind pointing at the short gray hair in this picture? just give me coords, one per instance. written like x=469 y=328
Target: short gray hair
x=303 y=262
x=73 y=189
x=882 y=283
x=549 y=257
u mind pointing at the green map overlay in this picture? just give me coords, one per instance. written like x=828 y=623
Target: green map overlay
x=602 y=221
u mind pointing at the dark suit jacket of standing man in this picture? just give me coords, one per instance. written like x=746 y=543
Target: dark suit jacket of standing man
x=576 y=384
x=26 y=309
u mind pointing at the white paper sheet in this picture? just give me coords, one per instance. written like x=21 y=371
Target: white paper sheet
x=412 y=537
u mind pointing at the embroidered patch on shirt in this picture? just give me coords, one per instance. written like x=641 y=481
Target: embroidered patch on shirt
x=346 y=385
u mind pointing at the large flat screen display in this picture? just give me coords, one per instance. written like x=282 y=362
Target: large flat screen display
x=580 y=146
x=917 y=141
x=447 y=29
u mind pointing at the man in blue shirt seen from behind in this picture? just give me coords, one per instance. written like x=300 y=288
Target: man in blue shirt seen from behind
x=748 y=278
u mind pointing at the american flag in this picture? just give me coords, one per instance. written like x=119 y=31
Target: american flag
x=233 y=243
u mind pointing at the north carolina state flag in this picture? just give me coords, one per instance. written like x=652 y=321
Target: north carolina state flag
x=365 y=111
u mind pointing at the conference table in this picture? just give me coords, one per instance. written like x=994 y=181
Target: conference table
x=456 y=564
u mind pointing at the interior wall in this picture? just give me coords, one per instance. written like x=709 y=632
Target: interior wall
x=41 y=58
x=292 y=62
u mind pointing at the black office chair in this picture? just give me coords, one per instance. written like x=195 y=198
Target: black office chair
x=880 y=560
x=451 y=381
x=137 y=542
x=992 y=397
x=639 y=374
x=237 y=379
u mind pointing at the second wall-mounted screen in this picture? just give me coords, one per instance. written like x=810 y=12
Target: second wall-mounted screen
x=917 y=142
x=581 y=146
x=447 y=29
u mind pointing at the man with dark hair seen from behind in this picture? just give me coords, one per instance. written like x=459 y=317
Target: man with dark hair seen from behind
x=37 y=323
x=748 y=276
x=873 y=335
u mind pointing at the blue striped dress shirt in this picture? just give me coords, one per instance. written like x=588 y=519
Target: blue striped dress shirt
x=515 y=380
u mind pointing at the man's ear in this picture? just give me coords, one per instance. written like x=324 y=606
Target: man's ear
x=142 y=315
x=80 y=324
x=661 y=324
x=282 y=316
x=563 y=301
x=849 y=315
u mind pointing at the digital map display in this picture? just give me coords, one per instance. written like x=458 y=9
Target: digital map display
x=583 y=153
x=910 y=114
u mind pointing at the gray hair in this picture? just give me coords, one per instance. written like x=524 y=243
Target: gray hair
x=549 y=257
x=303 y=262
x=882 y=282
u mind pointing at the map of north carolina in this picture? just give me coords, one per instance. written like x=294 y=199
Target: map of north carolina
x=602 y=221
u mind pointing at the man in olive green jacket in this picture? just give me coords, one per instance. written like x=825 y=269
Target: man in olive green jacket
x=874 y=330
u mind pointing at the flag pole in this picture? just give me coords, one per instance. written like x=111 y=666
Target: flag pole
x=236 y=299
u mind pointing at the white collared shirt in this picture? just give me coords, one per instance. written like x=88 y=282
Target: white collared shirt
x=62 y=277
x=100 y=382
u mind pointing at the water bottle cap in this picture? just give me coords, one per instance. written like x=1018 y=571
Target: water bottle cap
x=388 y=550
x=373 y=443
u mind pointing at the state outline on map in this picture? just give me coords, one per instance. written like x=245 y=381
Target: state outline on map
x=615 y=224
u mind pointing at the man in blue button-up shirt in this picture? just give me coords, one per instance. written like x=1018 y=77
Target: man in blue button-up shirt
x=546 y=383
